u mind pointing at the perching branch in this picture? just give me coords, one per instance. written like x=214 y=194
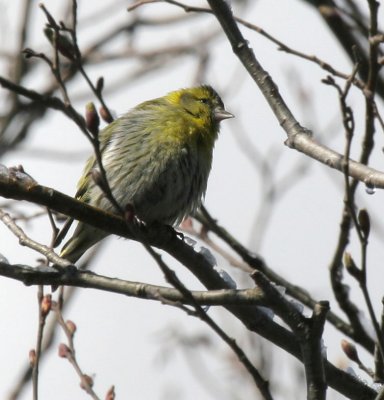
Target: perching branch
x=22 y=187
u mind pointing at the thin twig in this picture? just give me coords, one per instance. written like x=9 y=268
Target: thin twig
x=39 y=339
x=51 y=325
x=79 y=63
x=282 y=46
x=24 y=240
x=68 y=352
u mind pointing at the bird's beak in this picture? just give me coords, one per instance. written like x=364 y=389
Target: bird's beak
x=220 y=114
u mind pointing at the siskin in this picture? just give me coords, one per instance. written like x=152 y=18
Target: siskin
x=157 y=159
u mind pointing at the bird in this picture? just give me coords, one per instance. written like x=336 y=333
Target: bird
x=157 y=158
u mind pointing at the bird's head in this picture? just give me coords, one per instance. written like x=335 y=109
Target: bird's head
x=201 y=104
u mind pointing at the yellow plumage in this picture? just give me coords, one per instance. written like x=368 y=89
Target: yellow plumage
x=157 y=158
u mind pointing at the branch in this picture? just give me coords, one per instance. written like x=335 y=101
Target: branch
x=68 y=351
x=44 y=100
x=347 y=35
x=35 y=354
x=90 y=280
x=21 y=187
x=308 y=330
x=51 y=328
x=24 y=240
x=256 y=263
x=299 y=138
x=282 y=46
x=172 y=278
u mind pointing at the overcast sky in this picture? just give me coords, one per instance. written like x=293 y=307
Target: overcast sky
x=123 y=341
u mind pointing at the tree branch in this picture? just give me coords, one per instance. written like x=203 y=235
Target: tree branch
x=20 y=186
x=299 y=138
x=90 y=280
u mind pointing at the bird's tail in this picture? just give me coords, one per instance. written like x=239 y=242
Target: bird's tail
x=83 y=238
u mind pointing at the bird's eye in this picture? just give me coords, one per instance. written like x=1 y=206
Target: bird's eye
x=204 y=101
